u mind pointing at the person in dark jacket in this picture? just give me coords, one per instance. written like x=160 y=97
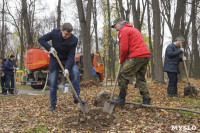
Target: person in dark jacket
x=133 y=49
x=3 y=76
x=64 y=44
x=10 y=67
x=172 y=59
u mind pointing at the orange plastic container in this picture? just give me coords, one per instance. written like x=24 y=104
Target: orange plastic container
x=36 y=59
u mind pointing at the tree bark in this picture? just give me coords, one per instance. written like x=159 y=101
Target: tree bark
x=26 y=23
x=85 y=21
x=2 y=31
x=58 y=13
x=150 y=43
x=95 y=25
x=194 y=41
x=159 y=75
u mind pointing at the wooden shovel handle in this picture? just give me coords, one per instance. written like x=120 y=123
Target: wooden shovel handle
x=63 y=70
x=115 y=82
x=185 y=66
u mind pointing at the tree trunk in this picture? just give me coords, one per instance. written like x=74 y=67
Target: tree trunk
x=136 y=18
x=2 y=31
x=110 y=61
x=150 y=43
x=26 y=23
x=194 y=41
x=85 y=32
x=95 y=25
x=58 y=13
x=159 y=75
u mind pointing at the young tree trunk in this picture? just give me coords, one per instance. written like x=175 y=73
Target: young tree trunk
x=110 y=61
x=95 y=25
x=58 y=13
x=194 y=41
x=85 y=21
x=150 y=43
x=159 y=75
x=26 y=23
x=2 y=31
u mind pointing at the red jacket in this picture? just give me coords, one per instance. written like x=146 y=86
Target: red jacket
x=131 y=43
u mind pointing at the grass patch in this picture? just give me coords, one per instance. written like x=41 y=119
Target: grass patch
x=186 y=116
x=38 y=129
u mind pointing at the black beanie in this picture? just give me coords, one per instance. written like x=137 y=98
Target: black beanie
x=11 y=56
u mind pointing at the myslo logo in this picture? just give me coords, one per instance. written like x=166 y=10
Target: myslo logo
x=184 y=127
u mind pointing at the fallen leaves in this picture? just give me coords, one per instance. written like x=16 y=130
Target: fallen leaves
x=30 y=113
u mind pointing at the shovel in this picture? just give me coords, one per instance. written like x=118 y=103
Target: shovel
x=108 y=107
x=189 y=87
x=84 y=108
x=15 y=88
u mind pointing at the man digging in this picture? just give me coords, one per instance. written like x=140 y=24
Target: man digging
x=134 y=49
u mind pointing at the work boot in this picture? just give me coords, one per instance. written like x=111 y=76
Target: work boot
x=52 y=108
x=11 y=91
x=5 y=92
x=82 y=101
x=170 y=91
x=146 y=100
x=120 y=100
x=175 y=92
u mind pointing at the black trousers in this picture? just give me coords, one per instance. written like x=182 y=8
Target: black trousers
x=172 y=79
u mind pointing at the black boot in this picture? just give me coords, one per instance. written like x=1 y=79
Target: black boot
x=170 y=92
x=120 y=100
x=52 y=108
x=146 y=100
x=175 y=92
x=5 y=92
x=11 y=91
x=82 y=101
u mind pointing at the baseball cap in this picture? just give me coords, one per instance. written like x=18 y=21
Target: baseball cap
x=116 y=21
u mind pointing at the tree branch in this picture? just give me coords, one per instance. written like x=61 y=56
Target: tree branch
x=160 y=107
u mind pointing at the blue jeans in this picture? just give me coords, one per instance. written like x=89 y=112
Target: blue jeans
x=74 y=73
x=9 y=78
x=172 y=79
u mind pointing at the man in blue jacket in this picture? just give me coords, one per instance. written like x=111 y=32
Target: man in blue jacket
x=10 y=67
x=172 y=59
x=64 y=44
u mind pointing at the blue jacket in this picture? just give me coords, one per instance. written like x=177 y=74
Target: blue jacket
x=172 y=58
x=65 y=48
x=8 y=67
x=3 y=69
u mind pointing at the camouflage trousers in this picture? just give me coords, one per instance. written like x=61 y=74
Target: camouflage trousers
x=135 y=66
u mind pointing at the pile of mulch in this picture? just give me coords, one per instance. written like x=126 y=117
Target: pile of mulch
x=89 y=83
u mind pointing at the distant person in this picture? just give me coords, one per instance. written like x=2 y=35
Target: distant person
x=10 y=67
x=64 y=43
x=133 y=49
x=94 y=73
x=172 y=59
x=3 y=76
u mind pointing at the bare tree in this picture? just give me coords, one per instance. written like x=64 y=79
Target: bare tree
x=95 y=25
x=58 y=13
x=137 y=17
x=85 y=21
x=159 y=75
x=26 y=23
x=2 y=30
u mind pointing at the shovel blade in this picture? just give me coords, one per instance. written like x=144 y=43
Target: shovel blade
x=84 y=108
x=108 y=107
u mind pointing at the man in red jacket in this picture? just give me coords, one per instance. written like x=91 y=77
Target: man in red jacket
x=134 y=50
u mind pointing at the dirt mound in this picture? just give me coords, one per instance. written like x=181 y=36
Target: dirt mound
x=96 y=121
x=89 y=83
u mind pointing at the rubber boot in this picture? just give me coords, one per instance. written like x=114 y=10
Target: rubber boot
x=170 y=92
x=120 y=100
x=146 y=100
